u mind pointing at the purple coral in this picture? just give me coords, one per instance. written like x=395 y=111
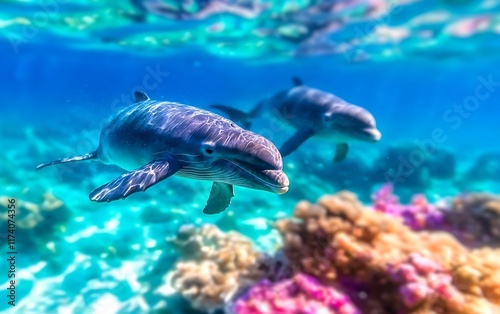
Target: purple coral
x=418 y=215
x=422 y=279
x=301 y=294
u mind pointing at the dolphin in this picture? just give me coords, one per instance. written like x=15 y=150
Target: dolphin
x=312 y=112
x=154 y=140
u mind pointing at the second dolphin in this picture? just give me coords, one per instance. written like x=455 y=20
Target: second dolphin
x=313 y=112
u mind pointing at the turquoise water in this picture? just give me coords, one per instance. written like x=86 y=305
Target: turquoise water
x=428 y=71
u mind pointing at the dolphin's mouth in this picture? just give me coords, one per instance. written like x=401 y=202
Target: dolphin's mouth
x=369 y=134
x=372 y=134
x=275 y=180
x=281 y=187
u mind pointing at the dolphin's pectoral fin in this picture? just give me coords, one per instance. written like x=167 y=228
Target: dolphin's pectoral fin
x=295 y=141
x=137 y=180
x=219 y=199
x=140 y=96
x=341 y=152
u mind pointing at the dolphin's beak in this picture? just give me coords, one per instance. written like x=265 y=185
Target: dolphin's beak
x=275 y=180
x=373 y=134
x=259 y=158
x=279 y=181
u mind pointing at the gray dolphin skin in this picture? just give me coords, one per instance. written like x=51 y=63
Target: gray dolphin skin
x=312 y=112
x=154 y=140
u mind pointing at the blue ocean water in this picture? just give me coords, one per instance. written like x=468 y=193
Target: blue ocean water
x=59 y=86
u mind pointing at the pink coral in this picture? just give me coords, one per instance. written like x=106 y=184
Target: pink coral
x=421 y=278
x=300 y=294
x=419 y=215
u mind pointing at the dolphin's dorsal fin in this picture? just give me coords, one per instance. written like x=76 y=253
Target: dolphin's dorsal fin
x=140 y=96
x=297 y=81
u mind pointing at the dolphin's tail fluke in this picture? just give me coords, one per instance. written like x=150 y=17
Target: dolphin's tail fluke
x=70 y=159
x=238 y=116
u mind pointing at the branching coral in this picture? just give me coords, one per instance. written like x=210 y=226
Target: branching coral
x=372 y=255
x=216 y=266
x=301 y=294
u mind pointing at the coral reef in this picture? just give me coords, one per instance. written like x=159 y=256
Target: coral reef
x=418 y=215
x=36 y=221
x=372 y=255
x=476 y=217
x=413 y=166
x=352 y=173
x=421 y=278
x=301 y=294
x=442 y=165
x=216 y=266
x=395 y=165
x=486 y=167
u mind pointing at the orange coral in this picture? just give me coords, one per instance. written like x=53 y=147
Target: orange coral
x=338 y=240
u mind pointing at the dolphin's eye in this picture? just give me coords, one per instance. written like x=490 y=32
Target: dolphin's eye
x=208 y=149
